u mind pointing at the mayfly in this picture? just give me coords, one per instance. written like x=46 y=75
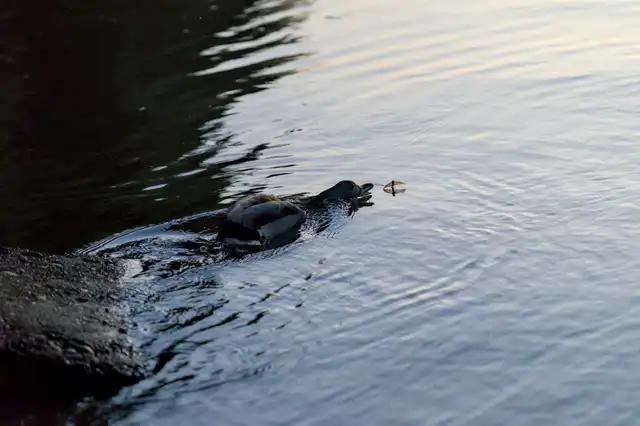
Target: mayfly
x=392 y=187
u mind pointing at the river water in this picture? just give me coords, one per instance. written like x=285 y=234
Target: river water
x=499 y=289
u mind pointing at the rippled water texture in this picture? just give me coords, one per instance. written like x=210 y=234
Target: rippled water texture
x=498 y=290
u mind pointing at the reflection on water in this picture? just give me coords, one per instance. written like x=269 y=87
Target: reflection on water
x=498 y=289
x=114 y=113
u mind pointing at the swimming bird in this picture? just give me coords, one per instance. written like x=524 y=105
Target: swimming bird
x=256 y=219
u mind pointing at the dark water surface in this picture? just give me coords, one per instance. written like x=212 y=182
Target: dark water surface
x=500 y=289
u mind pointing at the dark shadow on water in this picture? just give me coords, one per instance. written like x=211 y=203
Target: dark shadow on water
x=110 y=108
x=50 y=411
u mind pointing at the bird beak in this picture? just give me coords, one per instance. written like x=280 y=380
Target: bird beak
x=365 y=188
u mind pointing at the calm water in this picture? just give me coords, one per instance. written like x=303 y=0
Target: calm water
x=500 y=289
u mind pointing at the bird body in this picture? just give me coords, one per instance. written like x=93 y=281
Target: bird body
x=255 y=219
